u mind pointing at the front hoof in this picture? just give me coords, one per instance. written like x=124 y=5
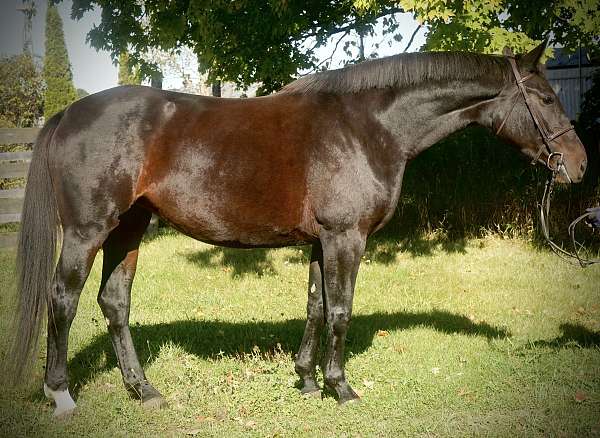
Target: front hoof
x=313 y=393
x=345 y=393
x=155 y=403
x=349 y=401
x=310 y=388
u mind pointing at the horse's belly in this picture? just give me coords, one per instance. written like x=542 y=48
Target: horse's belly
x=243 y=234
x=241 y=224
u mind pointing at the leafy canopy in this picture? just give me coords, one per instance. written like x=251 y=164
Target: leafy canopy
x=128 y=73
x=21 y=92
x=241 y=41
x=488 y=26
x=249 y=41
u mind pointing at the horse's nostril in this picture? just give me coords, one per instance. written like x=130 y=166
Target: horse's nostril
x=583 y=166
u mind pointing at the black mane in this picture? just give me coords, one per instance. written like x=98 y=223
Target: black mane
x=402 y=71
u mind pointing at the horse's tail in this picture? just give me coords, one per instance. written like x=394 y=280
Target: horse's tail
x=35 y=258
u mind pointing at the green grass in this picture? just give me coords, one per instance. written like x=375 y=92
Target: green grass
x=449 y=338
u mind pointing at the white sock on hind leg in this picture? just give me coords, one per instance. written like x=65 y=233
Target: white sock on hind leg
x=62 y=399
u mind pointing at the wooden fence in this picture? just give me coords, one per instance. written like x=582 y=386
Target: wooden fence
x=13 y=165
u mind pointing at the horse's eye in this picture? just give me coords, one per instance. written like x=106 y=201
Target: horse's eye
x=548 y=100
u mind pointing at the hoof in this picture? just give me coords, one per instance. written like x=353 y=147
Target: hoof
x=313 y=393
x=350 y=401
x=65 y=406
x=64 y=415
x=151 y=399
x=155 y=403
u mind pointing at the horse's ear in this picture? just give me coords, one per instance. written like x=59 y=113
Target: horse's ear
x=531 y=60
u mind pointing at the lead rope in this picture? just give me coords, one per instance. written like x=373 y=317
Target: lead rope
x=573 y=258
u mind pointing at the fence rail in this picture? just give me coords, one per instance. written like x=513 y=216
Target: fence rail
x=13 y=165
x=18 y=135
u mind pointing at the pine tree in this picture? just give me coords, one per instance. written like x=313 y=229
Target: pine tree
x=60 y=90
x=128 y=75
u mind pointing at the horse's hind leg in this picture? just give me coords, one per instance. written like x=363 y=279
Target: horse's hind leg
x=76 y=258
x=306 y=358
x=118 y=270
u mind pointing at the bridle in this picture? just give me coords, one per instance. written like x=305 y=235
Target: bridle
x=547 y=138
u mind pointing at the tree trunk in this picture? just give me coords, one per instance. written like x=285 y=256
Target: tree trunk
x=156 y=80
x=216 y=89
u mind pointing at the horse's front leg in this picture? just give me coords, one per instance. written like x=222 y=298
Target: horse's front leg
x=341 y=258
x=315 y=320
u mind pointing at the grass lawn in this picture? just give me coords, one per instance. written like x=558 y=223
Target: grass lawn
x=449 y=338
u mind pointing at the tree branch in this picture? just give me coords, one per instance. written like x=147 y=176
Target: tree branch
x=412 y=37
x=332 y=52
x=351 y=25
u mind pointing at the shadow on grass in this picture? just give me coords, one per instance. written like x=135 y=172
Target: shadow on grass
x=238 y=261
x=573 y=336
x=380 y=249
x=213 y=339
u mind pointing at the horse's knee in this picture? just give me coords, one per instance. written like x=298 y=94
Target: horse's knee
x=302 y=366
x=338 y=322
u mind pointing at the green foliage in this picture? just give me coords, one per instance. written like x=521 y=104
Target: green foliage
x=236 y=41
x=21 y=92
x=489 y=25
x=60 y=90
x=269 y=42
x=128 y=74
x=82 y=93
x=471 y=184
x=590 y=108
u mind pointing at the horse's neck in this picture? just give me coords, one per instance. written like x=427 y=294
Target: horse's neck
x=418 y=118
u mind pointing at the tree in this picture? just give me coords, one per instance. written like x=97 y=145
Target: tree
x=235 y=41
x=21 y=91
x=590 y=109
x=128 y=73
x=487 y=26
x=245 y=42
x=60 y=90
x=82 y=93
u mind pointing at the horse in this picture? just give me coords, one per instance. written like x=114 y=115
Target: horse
x=318 y=163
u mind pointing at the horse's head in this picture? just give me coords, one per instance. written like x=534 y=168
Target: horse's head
x=529 y=115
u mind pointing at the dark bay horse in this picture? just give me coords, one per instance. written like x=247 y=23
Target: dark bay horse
x=320 y=162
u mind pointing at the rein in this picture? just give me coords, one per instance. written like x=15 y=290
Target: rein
x=547 y=138
x=574 y=257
